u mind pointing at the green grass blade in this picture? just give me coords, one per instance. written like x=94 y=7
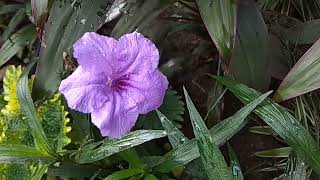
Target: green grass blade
x=17 y=42
x=210 y=155
x=124 y=174
x=219 y=17
x=277 y=152
x=220 y=133
x=28 y=109
x=264 y=130
x=99 y=150
x=281 y=121
x=175 y=136
x=20 y=154
x=250 y=59
x=303 y=77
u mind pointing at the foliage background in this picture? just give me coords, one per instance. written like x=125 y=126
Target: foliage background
x=208 y=47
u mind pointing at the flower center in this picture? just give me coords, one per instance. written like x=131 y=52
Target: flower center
x=119 y=84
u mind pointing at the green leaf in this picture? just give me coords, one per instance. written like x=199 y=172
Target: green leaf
x=277 y=152
x=220 y=133
x=306 y=33
x=74 y=170
x=124 y=174
x=10 y=82
x=234 y=164
x=28 y=109
x=140 y=14
x=39 y=170
x=172 y=107
x=115 y=10
x=303 y=77
x=81 y=127
x=17 y=42
x=269 y=4
x=219 y=17
x=281 y=121
x=16 y=171
x=132 y=157
x=105 y=148
x=14 y=22
x=264 y=130
x=211 y=157
x=20 y=154
x=9 y=8
x=67 y=22
x=40 y=14
x=296 y=168
x=54 y=121
x=150 y=177
x=249 y=63
x=175 y=136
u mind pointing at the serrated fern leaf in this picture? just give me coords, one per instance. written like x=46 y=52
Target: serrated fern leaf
x=54 y=121
x=10 y=81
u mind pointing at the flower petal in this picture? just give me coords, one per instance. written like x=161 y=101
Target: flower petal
x=95 y=52
x=147 y=90
x=85 y=91
x=116 y=117
x=137 y=53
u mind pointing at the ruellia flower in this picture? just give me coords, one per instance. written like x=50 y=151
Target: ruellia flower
x=116 y=80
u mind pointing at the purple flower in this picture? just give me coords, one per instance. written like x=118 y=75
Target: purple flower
x=116 y=81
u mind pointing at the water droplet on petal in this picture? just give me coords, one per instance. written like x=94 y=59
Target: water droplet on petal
x=83 y=21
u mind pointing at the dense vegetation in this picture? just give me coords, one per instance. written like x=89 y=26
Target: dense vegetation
x=236 y=68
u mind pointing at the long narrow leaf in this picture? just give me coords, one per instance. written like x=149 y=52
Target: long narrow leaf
x=176 y=138
x=20 y=154
x=211 y=157
x=303 y=77
x=108 y=147
x=277 y=152
x=124 y=174
x=234 y=164
x=14 y=22
x=141 y=13
x=219 y=16
x=40 y=14
x=68 y=21
x=29 y=111
x=250 y=58
x=281 y=121
x=306 y=33
x=9 y=8
x=17 y=42
x=220 y=133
